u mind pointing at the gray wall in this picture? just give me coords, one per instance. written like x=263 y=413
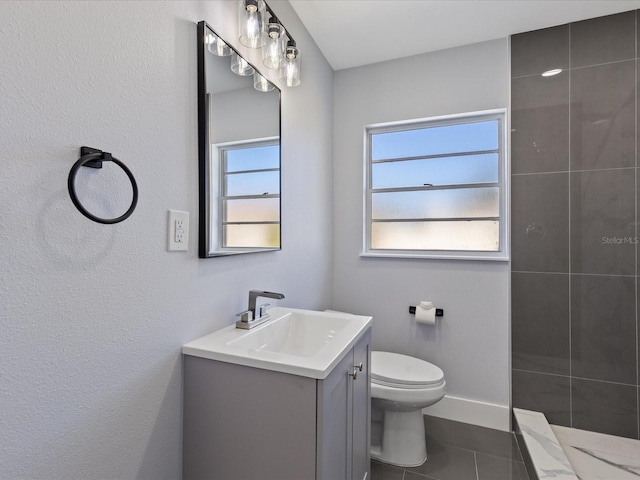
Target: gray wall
x=575 y=224
x=471 y=343
x=92 y=317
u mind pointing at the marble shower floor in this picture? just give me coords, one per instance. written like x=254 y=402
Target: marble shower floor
x=596 y=456
x=565 y=453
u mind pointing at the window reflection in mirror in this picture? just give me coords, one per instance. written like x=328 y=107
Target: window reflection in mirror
x=239 y=147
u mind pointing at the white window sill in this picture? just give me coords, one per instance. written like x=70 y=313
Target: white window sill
x=490 y=257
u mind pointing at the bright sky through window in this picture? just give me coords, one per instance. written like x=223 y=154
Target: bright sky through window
x=251 y=195
x=435 y=187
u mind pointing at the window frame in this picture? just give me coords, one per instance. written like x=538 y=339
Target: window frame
x=222 y=173
x=503 y=252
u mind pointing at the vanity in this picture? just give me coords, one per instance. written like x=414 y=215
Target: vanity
x=287 y=400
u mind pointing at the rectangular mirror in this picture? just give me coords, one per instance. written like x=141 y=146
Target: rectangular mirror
x=239 y=152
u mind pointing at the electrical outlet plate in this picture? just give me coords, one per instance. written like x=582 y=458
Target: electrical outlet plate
x=178 y=231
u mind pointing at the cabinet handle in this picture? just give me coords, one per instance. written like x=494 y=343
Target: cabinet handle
x=359 y=367
x=355 y=373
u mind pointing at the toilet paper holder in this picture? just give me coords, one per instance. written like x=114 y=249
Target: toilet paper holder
x=439 y=311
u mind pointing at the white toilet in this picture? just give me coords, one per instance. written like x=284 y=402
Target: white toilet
x=401 y=386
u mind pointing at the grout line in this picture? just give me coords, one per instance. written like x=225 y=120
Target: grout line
x=569 y=235
x=636 y=232
x=574 y=377
x=586 y=170
x=475 y=462
x=575 y=273
x=568 y=69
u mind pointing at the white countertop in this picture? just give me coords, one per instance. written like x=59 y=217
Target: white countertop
x=300 y=342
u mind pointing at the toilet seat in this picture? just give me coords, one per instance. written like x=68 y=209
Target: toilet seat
x=401 y=371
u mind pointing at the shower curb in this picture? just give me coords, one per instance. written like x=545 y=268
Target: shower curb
x=542 y=453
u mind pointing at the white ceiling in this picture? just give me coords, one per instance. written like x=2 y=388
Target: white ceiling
x=352 y=33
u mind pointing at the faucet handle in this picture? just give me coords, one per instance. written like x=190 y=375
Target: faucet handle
x=262 y=310
x=245 y=316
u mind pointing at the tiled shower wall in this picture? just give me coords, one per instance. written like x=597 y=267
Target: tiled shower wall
x=575 y=224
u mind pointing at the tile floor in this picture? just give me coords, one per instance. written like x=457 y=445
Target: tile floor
x=596 y=456
x=459 y=451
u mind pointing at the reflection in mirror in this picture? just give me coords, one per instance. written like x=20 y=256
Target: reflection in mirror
x=239 y=150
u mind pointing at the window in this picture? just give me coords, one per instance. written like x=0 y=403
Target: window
x=436 y=188
x=250 y=194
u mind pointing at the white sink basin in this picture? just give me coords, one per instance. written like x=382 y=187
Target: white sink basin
x=301 y=342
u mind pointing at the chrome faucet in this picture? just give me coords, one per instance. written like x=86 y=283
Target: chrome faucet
x=255 y=316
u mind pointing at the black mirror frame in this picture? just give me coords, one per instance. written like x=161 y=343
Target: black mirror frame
x=204 y=151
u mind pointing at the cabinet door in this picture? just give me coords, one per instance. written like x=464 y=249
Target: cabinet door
x=362 y=410
x=334 y=423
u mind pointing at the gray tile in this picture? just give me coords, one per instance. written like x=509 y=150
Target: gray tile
x=540 y=124
x=638 y=337
x=549 y=394
x=540 y=322
x=472 y=437
x=446 y=462
x=636 y=236
x=381 y=471
x=528 y=462
x=416 y=476
x=603 y=222
x=605 y=407
x=538 y=51
x=540 y=222
x=494 y=468
x=603 y=39
x=603 y=328
x=603 y=116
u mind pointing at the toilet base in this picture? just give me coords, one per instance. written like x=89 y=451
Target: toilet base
x=403 y=439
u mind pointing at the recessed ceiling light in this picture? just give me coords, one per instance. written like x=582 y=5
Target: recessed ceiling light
x=551 y=73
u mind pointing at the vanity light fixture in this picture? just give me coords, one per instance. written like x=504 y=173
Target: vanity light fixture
x=217 y=46
x=290 y=72
x=251 y=23
x=551 y=73
x=256 y=33
x=240 y=66
x=274 y=49
x=261 y=84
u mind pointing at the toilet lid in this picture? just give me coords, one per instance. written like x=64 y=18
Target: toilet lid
x=394 y=368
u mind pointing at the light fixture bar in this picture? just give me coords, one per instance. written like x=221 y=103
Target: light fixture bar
x=290 y=63
x=256 y=32
x=275 y=16
x=251 y=23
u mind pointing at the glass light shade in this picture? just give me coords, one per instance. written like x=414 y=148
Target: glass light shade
x=239 y=66
x=217 y=46
x=261 y=84
x=251 y=23
x=273 y=56
x=290 y=71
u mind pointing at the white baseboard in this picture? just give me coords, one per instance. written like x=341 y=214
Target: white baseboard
x=464 y=410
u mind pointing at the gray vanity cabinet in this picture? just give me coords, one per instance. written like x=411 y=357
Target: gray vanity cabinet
x=244 y=423
x=344 y=423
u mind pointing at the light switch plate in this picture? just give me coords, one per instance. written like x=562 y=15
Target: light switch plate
x=178 y=231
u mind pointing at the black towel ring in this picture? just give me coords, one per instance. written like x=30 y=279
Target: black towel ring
x=93 y=158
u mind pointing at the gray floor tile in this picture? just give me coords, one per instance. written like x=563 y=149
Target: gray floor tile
x=495 y=468
x=380 y=471
x=445 y=462
x=460 y=451
x=416 y=476
x=472 y=437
